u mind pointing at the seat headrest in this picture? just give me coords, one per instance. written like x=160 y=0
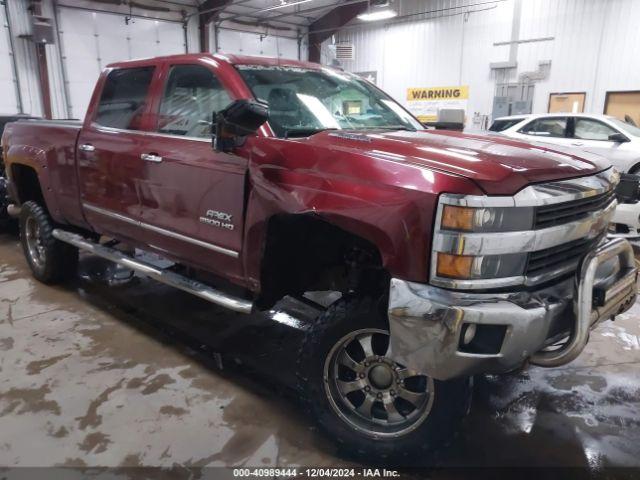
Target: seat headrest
x=283 y=99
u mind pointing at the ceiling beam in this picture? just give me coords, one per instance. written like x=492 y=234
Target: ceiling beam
x=208 y=12
x=236 y=15
x=253 y=9
x=330 y=23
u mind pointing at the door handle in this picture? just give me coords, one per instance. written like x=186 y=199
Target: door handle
x=577 y=144
x=87 y=147
x=151 y=157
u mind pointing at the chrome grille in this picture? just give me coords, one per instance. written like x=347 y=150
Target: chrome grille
x=561 y=213
x=565 y=257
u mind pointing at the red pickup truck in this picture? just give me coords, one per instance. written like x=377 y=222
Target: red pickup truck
x=452 y=254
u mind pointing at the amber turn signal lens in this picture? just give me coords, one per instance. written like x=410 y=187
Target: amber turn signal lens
x=457 y=218
x=454 y=266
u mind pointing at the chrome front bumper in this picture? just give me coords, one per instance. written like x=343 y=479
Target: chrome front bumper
x=427 y=322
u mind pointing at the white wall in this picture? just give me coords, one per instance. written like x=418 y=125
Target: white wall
x=92 y=40
x=594 y=48
x=9 y=99
x=26 y=61
x=257 y=44
x=89 y=40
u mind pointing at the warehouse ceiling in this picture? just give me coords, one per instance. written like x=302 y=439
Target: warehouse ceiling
x=288 y=14
x=292 y=13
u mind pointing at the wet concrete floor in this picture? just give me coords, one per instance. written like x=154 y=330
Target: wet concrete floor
x=144 y=375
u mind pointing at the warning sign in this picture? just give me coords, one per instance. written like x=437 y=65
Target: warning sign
x=424 y=103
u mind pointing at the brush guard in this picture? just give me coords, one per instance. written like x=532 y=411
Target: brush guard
x=593 y=302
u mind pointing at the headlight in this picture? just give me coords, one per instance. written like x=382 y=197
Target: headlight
x=469 y=219
x=495 y=241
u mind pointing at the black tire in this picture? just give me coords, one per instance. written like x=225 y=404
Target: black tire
x=51 y=261
x=451 y=399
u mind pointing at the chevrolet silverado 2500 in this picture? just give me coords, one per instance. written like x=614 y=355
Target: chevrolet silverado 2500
x=453 y=254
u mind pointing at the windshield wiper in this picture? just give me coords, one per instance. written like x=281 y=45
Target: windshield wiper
x=395 y=127
x=305 y=132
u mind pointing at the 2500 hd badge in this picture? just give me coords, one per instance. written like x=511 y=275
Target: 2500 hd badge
x=217 y=219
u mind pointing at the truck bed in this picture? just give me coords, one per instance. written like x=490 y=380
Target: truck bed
x=48 y=147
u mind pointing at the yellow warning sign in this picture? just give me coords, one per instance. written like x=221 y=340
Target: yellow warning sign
x=438 y=93
x=425 y=103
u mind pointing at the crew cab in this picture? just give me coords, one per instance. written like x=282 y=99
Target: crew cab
x=451 y=254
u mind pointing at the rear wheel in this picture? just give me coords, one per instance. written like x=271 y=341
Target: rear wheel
x=370 y=404
x=51 y=261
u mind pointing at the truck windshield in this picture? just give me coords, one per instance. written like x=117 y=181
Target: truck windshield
x=305 y=101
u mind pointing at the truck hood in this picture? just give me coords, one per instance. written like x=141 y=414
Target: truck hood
x=499 y=165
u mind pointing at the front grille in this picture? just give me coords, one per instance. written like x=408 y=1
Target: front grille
x=565 y=256
x=561 y=213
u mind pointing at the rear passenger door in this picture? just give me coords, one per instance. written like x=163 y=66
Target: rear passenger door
x=193 y=197
x=109 y=148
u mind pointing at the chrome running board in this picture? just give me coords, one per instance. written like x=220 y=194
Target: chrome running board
x=167 y=277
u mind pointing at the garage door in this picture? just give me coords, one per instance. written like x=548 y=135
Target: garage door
x=92 y=40
x=247 y=43
x=8 y=100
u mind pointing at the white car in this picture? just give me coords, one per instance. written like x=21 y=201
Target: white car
x=615 y=140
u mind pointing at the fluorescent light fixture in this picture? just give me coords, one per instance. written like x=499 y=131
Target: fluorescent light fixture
x=372 y=16
x=283 y=4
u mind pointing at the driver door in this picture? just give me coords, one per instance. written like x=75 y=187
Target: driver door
x=192 y=197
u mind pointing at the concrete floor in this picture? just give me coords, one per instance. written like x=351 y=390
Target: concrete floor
x=92 y=375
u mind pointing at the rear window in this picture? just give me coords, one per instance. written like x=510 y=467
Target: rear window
x=123 y=98
x=501 y=125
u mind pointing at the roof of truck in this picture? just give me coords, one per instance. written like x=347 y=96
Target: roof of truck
x=228 y=58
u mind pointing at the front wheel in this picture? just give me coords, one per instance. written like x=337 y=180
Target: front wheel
x=370 y=404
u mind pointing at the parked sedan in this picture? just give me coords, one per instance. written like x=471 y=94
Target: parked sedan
x=614 y=139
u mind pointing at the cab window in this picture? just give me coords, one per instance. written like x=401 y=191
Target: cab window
x=555 y=127
x=589 y=129
x=123 y=97
x=192 y=96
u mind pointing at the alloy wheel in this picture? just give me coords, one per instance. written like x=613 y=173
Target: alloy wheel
x=371 y=392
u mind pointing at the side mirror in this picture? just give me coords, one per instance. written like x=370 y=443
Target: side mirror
x=234 y=123
x=618 y=138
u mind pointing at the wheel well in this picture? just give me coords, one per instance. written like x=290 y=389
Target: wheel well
x=635 y=169
x=27 y=185
x=305 y=253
